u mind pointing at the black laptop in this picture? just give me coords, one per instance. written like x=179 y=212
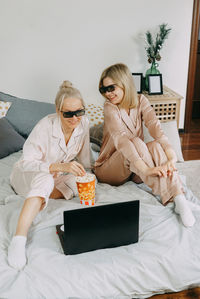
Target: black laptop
x=99 y=227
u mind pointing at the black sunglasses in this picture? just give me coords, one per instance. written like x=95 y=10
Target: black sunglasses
x=109 y=88
x=70 y=114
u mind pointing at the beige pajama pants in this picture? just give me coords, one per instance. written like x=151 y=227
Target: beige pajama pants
x=117 y=170
x=32 y=184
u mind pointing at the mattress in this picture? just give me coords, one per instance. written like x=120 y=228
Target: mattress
x=166 y=258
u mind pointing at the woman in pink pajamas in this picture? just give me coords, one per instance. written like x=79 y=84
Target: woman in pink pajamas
x=124 y=155
x=55 y=152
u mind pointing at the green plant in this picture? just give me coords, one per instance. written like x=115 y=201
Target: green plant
x=153 y=47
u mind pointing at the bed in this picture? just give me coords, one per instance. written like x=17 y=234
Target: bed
x=166 y=258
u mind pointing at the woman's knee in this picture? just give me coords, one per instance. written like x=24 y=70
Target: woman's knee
x=141 y=147
x=44 y=181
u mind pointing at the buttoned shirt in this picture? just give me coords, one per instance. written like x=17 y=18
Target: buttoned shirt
x=46 y=145
x=120 y=128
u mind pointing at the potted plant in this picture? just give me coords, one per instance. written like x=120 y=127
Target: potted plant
x=153 y=48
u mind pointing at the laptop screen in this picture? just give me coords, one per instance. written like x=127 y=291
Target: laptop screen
x=106 y=226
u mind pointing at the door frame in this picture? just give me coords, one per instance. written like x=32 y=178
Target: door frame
x=192 y=64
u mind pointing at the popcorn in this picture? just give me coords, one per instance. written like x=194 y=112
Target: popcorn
x=86 y=178
x=86 y=189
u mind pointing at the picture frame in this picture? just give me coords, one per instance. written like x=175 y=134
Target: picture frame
x=155 y=84
x=138 y=80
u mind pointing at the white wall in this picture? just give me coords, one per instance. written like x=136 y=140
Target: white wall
x=44 y=42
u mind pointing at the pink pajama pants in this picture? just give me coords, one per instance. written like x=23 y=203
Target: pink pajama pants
x=32 y=184
x=117 y=170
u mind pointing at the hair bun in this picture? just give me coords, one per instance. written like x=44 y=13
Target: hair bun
x=66 y=84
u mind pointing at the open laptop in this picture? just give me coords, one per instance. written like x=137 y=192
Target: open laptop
x=99 y=227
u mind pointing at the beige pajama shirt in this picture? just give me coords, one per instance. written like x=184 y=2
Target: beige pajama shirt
x=123 y=145
x=45 y=145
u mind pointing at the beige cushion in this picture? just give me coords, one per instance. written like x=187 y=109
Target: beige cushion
x=94 y=114
x=171 y=131
x=4 y=106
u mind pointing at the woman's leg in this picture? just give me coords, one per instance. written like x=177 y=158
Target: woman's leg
x=29 y=211
x=153 y=155
x=169 y=188
x=115 y=171
x=16 y=250
x=65 y=186
x=56 y=194
x=36 y=187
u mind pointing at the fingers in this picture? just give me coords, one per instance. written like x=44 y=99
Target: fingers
x=157 y=171
x=77 y=169
x=170 y=168
x=160 y=171
x=165 y=170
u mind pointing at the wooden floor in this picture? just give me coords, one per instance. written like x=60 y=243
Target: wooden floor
x=188 y=294
x=190 y=143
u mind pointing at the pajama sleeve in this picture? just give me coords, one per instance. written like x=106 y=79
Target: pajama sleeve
x=117 y=132
x=34 y=150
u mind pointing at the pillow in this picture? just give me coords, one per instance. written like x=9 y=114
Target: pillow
x=96 y=134
x=10 y=140
x=94 y=114
x=169 y=128
x=171 y=131
x=4 y=106
x=25 y=114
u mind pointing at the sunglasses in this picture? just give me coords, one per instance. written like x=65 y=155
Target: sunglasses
x=70 y=114
x=109 y=88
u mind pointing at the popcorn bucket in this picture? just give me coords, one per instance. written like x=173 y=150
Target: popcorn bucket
x=86 y=189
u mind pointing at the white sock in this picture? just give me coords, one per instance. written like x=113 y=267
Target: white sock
x=17 y=252
x=182 y=208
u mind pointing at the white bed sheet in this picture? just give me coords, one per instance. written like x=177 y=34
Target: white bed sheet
x=166 y=258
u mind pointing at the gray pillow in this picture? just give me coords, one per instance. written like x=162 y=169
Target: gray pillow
x=25 y=114
x=96 y=134
x=10 y=140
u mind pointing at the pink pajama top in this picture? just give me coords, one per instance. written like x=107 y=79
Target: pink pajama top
x=120 y=128
x=46 y=145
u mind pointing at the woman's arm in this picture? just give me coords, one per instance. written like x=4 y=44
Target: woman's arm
x=152 y=171
x=35 y=148
x=153 y=124
x=72 y=167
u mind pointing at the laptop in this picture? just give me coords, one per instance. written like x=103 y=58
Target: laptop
x=98 y=227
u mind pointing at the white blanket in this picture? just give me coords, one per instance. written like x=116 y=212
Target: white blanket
x=166 y=258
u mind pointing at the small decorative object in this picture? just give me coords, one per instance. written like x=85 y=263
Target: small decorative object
x=155 y=84
x=153 y=49
x=138 y=80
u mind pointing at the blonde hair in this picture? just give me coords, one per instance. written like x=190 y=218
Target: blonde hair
x=66 y=90
x=121 y=76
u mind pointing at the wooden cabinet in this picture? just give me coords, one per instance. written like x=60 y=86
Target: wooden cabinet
x=196 y=95
x=166 y=105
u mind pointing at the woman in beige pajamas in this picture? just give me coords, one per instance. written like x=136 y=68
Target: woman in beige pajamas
x=55 y=152
x=124 y=155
